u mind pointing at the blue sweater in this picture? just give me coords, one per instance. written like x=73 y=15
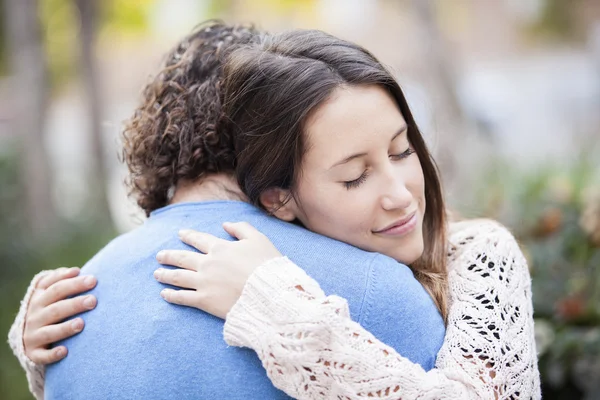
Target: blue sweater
x=137 y=346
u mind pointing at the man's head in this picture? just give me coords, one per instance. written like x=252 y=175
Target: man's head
x=172 y=136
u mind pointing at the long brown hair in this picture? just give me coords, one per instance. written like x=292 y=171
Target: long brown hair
x=271 y=87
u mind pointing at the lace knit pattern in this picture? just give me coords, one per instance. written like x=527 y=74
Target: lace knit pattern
x=35 y=373
x=311 y=348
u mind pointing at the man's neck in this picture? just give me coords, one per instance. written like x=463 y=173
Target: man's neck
x=211 y=187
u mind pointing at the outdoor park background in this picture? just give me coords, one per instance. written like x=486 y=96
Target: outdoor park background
x=507 y=93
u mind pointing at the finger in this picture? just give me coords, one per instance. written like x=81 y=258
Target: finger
x=188 y=298
x=64 y=309
x=44 y=357
x=177 y=277
x=200 y=240
x=47 y=335
x=241 y=230
x=57 y=275
x=181 y=258
x=66 y=288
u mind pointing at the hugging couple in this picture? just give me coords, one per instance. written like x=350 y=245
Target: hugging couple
x=289 y=193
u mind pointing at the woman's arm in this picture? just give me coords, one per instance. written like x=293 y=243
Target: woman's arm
x=311 y=348
x=38 y=323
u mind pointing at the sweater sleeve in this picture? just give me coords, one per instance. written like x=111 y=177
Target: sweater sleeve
x=35 y=372
x=311 y=348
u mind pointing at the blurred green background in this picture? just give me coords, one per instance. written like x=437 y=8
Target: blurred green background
x=507 y=93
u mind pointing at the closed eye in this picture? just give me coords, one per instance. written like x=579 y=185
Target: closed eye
x=356 y=182
x=402 y=155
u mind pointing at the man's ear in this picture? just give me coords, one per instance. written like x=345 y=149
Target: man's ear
x=280 y=203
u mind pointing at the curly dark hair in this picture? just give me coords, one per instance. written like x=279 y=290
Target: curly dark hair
x=173 y=134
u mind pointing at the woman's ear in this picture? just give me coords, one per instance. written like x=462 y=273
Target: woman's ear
x=280 y=203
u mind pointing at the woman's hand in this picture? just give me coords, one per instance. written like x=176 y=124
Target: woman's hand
x=49 y=305
x=218 y=276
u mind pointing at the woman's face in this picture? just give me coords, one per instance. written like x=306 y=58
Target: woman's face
x=360 y=181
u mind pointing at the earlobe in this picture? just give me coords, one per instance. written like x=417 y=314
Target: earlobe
x=279 y=203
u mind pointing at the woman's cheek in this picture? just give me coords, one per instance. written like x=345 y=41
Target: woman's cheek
x=319 y=203
x=359 y=208
x=417 y=180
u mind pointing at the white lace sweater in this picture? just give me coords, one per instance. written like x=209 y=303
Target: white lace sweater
x=311 y=348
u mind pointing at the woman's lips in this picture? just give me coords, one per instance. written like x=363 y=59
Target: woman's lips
x=401 y=227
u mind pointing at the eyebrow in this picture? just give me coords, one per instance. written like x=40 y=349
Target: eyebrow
x=353 y=156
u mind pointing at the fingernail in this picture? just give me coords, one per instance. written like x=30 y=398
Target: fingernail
x=89 y=281
x=89 y=302
x=158 y=273
x=77 y=325
x=61 y=351
x=164 y=293
x=184 y=232
x=160 y=256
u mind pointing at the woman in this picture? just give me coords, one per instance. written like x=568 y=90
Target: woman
x=357 y=170
x=404 y=220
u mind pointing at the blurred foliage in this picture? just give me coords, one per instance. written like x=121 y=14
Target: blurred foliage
x=60 y=23
x=219 y=8
x=555 y=214
x=558 y=20
x=60 y=34
x=125 y=18
x=75 y=244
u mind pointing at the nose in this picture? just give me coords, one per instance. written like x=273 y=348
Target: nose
x=395 y=194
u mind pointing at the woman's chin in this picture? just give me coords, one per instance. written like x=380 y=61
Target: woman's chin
x=409 y=253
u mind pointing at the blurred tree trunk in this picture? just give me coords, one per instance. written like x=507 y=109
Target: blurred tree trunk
x=30 y=82
x=438 y=58
x=88 y=14
x=440 y=71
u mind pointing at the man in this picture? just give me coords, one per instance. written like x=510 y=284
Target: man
x=135 y=345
